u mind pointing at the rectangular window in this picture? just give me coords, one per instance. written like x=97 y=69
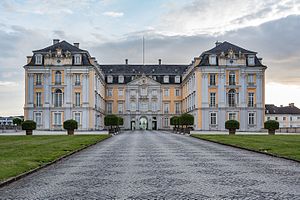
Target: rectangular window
x=77 y=99
x=77 y=79
x=143 y=91
x=166 y=122
x=213 y=118
x=251 y=60
x=154 y=106
x=109 y=107
x=166 y=79
x=166 y=92
x=177 y=108
x=212 y=79
x=109 y=92
x=38 y=118
x=38 y=59
x=166 y=108
x=133 y=106
x=250 y=99
x=232 y=78
x=132 y=92
x=177 y=79
x=250 y=79
x=212 y=99
x=251 y=118
x=38 y=99
x=212 y=60
x=232 y=116
x=284 y=118
x=144 y=107
x=120 y=108
x=268 y=118
x=57 y=119
x=154 y=92
x=120 y=92
x=121 y=79
x=77 y=117
x=38 y=79
x=276 y=118
x=77 y=60
x=291 y=118
x=177 y=92
x=109 y=79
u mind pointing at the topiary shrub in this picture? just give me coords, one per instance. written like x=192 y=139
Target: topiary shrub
x=186 y=120
x=271 y=125
x=111 y=120
x=29 y=126
x=70 y=125
x=232 y=125
x=17 y=121
x=174 y=121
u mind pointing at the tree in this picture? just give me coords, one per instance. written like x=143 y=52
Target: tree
x=232 y=125
x=111 y=120
x=186 y=120
x=17 y=121
x=271 y=125
x=174 y=121
x=70 y=125
x=29 y=126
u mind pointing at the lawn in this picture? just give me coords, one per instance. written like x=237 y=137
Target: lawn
x=19 y=154
x=281 y=145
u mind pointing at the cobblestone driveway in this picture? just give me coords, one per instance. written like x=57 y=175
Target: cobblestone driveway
x=157 y=165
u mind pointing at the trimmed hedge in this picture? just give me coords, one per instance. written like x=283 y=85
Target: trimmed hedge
x=70 y=124
x=29 y=125
x=271 y=125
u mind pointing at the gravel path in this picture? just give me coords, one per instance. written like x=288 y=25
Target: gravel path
x=158 y=165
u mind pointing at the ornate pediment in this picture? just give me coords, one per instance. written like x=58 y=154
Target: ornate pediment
x=144 y=80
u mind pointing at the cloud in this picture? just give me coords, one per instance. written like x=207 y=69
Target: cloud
x=113 y=14
x=8 y=83
x=218 y=17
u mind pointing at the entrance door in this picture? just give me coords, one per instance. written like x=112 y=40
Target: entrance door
x=143 y=123
x=154 y=125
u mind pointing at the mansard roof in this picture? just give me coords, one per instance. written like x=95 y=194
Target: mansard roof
x=143 y=69
x=272 y=109
x=225 y=47
x=65 y=46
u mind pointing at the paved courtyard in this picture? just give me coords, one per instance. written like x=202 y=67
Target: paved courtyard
x=160 y=165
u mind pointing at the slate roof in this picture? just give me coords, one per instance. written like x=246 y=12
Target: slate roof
x=143 y=69
x=65 y=46
x=272 y=109
x=225 y=47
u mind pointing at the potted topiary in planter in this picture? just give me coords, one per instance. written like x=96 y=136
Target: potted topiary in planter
x=29 y=126
x=271 y=125
x=232 y=125
x=70 y=125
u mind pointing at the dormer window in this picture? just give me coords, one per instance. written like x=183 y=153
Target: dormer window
x=77 y=59
x=38 y=59
x=251 y=60
x=121 y=79
x=166 y=79
x=212 y=59
x=177 y=79
x=109 y=79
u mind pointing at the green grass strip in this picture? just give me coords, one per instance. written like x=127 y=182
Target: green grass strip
x=19 y=154
x=287 y=146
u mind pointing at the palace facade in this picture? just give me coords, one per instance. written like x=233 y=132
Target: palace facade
x=63 y=81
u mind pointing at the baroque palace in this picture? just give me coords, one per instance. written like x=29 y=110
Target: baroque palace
x=63 y=81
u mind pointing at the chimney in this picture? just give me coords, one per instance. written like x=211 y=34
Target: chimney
x=55 y=41
x=159 y=61
x=126 y=61
x=76 y=44
x=29 y=59
x=218 y=43
x=291 y=104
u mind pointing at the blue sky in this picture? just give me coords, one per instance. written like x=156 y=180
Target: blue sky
x=175 y=31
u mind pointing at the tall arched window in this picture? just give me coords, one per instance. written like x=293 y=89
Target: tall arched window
x=58 y=78
x=58 y=98
x=231 y=98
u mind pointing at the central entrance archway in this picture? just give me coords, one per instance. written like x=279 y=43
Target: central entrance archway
x=143 y=123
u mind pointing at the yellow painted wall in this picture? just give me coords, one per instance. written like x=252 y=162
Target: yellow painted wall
x=198 y=77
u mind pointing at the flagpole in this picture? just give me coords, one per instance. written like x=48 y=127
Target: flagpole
x=143 y=51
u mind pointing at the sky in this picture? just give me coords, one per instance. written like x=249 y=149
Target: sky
x=175 y=31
